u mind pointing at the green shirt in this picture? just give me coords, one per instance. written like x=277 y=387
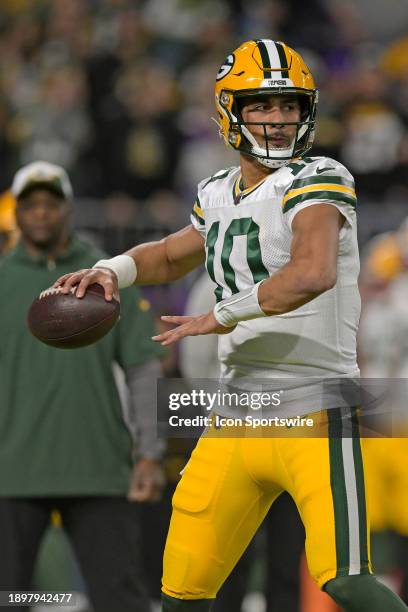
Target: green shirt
x=61 y=426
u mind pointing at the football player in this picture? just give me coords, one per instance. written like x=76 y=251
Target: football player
x=278 y=235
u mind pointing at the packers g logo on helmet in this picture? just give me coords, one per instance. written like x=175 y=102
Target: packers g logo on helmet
x=226 y=67
x=265 y=67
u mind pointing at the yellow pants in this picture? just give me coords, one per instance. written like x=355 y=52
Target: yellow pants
x=229 y=485
x=387 y=483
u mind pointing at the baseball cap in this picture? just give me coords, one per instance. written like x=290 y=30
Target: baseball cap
x=41 y=174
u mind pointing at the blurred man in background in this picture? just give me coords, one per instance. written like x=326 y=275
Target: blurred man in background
x=65 y=444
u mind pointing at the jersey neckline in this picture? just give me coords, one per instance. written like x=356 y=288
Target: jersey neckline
x=239 y=193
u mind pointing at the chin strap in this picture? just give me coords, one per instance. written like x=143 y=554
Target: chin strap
x=219 y=126
x=261 y=154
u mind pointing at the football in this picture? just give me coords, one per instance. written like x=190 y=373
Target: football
x=64 y=321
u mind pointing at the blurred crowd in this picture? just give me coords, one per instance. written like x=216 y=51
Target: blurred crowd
x=120 y=93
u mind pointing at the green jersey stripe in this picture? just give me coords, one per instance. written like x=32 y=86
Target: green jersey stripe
x=316 y=180
x=314 y=196
x=197 y=217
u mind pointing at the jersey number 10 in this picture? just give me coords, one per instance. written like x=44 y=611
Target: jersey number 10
x=238 y=227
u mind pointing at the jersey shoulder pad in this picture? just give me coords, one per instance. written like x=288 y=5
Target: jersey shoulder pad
x=319 y=178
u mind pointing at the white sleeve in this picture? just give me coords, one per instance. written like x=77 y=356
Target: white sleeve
x=348 y=213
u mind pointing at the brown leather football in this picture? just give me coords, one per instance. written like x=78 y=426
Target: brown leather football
x=64 y=321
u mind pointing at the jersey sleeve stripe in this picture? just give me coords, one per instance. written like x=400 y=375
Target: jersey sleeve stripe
x=197 y=209
x=197 y=217
x=324 y=196
x=311 y=190
x=316 y=180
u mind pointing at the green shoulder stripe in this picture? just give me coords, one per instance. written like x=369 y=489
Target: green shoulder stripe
x=216 y=177
x=314 y=196
x=297 y=165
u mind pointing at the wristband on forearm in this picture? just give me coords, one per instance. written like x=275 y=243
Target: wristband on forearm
x=123 y=266
x=242 y=306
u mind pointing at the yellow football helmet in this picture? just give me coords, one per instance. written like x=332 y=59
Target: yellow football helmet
x=267 y=67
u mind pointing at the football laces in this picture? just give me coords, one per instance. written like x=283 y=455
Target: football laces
x=54 y=290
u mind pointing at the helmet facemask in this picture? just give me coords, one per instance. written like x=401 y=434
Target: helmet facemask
x=241 y=138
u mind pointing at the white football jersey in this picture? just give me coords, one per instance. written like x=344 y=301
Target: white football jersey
x=248 y=236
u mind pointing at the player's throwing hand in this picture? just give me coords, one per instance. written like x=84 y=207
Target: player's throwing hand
x=191 y=326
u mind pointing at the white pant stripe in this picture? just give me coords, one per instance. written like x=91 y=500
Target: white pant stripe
x=352 y=505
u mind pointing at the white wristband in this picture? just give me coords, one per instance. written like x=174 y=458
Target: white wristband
x=123 y=266
x=242 y=306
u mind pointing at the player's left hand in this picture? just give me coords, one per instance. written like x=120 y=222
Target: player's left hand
x=147 y=481
x=191 y=326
